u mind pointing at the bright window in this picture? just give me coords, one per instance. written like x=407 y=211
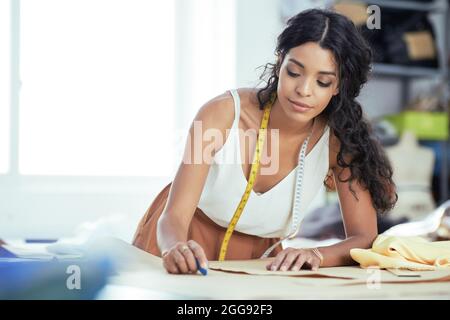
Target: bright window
x=5 y=74
x=97 y=95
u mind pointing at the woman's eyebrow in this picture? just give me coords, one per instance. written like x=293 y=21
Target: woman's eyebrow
x=331 y=73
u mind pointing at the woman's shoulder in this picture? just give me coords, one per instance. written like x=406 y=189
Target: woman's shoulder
x=220 y=109
x=218 y=112
x=248 y=97
x=250 y=114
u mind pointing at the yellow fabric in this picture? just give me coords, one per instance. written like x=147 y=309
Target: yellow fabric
x=413 y=253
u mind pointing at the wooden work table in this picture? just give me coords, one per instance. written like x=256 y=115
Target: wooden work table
x=142 y=276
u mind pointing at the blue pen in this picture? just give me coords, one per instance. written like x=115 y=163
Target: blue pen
x=203 y=271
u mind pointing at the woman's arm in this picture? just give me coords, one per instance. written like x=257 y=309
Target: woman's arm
x=187 y=186
x=358 y=215
x=360 y=223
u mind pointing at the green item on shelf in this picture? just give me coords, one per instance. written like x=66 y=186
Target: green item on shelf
x=425 y=125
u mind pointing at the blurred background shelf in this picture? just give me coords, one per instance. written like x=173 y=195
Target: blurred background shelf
x=384 y=69
x=409 y=5
x=407 y=73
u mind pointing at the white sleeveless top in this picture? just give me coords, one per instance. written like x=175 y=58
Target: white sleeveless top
x=268 y=214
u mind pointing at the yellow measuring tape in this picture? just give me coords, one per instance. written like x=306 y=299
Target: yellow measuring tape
x=251 y=180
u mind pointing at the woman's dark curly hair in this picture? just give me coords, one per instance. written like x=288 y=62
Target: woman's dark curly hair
x=359 y=149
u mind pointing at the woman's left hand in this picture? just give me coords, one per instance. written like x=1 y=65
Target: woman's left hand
x=294 y=259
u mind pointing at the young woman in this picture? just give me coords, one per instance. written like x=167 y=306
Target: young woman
x=321 y=137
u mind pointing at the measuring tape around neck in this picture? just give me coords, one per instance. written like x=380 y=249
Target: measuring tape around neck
x=254 y=169
x=251 y=180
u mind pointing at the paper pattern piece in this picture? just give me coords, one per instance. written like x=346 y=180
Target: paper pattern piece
x=352 y=274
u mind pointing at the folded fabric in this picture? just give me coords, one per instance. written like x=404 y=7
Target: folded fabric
x=413 y=253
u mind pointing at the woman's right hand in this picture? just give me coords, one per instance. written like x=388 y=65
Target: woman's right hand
x=181 y=257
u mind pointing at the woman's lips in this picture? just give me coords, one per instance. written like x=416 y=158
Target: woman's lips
x=300 y=107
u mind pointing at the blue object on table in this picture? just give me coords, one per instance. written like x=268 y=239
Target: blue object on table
x=203 y=271
x=4 y=253
x=40 y=240
x=77 y=279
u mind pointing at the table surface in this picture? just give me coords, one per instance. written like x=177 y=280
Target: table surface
x=141 y=276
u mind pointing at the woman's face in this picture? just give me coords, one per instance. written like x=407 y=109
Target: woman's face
x=308 y=75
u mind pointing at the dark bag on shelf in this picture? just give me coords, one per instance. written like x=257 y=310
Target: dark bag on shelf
x=406 y=37
x=409 y=39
